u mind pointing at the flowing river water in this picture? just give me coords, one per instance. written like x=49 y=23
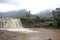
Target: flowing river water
x=10 y=23
x=12 y=29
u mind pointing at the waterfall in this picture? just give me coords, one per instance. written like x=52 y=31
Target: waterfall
x=10 y=23
x=13 y=24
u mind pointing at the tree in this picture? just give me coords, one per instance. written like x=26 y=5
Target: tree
x=28 y=15
x=56 y=16
x=37 y=17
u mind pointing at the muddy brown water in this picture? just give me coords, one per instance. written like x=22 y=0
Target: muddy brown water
x=42 y=34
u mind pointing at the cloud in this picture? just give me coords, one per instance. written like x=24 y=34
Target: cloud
x=9 y=5
x=41 y=5
x=33 y=5
x=3 y=1
x=12 y=2
x=6 y=7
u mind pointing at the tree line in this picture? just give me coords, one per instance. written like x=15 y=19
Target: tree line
x=53 y=22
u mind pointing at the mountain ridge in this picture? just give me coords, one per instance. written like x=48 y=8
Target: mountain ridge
x=22 y=13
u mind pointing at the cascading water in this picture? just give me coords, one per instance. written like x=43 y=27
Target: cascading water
x=13 y=24
x=10 y=23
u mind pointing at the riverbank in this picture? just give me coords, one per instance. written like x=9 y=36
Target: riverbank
x=42 y=34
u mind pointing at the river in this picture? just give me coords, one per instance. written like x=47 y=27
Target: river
x=12 y=29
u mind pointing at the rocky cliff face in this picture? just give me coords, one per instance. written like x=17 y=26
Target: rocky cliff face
x=10 y=23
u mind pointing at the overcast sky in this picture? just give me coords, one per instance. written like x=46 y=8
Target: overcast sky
x=33 y=5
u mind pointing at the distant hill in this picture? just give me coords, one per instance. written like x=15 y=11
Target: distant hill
x=1 y=14
x=16 y=14
x=23 y=12
x=46 y=13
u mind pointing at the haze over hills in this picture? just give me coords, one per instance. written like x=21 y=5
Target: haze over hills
x=18 y=14
x=46 y=13
x=23 y=12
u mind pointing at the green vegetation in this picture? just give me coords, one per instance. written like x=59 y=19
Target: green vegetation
x=51 y=22
x=56 y=17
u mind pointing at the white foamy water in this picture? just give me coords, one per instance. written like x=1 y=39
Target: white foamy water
x=12 y=24
x=21 y=30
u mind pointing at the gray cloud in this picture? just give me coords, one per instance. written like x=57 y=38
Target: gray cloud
x=12 y=2
x=3 y=1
